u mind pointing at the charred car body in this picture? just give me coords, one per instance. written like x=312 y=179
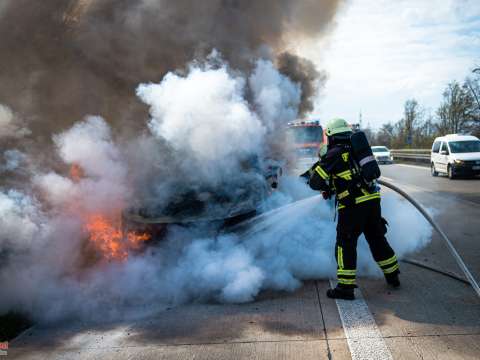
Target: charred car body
x=207 y=207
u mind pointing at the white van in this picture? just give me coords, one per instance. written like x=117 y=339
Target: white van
x=455 y=155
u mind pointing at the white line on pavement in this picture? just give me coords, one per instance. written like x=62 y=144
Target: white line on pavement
x=363 y=336
x=415 y=166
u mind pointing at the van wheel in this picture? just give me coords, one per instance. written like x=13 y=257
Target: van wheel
x=433 y=171
x=450 y=172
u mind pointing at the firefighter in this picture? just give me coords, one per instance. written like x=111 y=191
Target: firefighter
x=358 y=204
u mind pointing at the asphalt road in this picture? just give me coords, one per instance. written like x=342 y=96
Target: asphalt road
x=419 y=176
x=431 y=317
x=455 y=205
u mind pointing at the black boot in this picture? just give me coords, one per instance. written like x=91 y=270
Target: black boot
x=341 y=293
x=392 y=279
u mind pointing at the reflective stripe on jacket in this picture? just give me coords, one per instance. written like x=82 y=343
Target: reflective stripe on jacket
x=334 y=173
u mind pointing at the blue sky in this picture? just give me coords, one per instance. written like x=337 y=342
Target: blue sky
x=383 y=52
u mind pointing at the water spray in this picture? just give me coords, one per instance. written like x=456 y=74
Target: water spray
x=451 y=248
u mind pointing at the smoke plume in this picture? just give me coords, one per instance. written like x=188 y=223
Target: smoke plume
x=44 y=237
x=10 y=125
x=118 y=108
x=62 y=60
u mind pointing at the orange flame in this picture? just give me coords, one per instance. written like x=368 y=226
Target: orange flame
x=109 y=239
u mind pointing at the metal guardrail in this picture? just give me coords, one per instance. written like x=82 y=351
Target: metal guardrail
x=418 y=155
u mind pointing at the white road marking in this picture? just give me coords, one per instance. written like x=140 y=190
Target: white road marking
x=363 y=336
x=415 y=166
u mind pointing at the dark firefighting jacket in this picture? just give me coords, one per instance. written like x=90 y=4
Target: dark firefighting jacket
x=335 y=173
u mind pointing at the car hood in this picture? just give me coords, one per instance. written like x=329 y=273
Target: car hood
x=467 y=156
x=386 y=153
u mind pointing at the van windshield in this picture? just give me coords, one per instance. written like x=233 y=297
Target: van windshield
x=469 y=146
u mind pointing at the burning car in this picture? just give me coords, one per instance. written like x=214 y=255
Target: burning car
x=206 y=207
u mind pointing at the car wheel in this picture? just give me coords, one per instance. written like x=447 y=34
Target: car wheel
x=433 y=171
x=450 y=172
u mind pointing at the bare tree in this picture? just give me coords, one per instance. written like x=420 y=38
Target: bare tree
x=472 y=84
x=411 y=131
x=412 y=117
x=369 y=133
x=459 y=112
x=456 y=111
x=385 y=135
x=425 y=133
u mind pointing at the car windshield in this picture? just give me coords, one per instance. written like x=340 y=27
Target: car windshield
x=379 y=149
x=469 y=146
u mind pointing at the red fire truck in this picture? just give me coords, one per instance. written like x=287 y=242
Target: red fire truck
x=306 y=137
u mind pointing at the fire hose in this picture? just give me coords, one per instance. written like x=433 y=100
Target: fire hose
x=451 y=248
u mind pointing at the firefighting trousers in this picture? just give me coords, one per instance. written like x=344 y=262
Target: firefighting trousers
x=363 y=218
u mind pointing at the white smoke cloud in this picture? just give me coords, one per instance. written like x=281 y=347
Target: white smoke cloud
x=276 y=250
x=10 y=125
x=13 y=159
x=205 y=118
x=399 y=212
x=209 y=126
x=89 y=144
x=275 y=95
x=102 y=186
x=20 y=220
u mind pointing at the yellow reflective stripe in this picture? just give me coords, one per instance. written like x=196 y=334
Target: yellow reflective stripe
x=340 y=257
x=359 y=199
x=364 y=198
x=390 y=269
x=343 y=195
x=321 y=172
x=347 y=175
x=346 y=272
x=346 y=281
x=388 y=261
x=343 y=173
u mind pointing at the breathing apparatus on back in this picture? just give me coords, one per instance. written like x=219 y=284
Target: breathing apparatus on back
x=361 y=155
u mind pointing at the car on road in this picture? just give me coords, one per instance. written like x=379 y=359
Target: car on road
x=382 y=154
x=455 y=155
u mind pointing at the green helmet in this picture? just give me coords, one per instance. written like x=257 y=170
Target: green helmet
x=337 y=126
